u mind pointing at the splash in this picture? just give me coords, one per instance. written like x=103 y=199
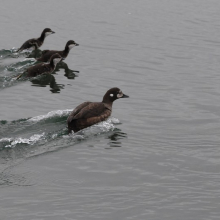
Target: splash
x=7 y=53
x=10 y=72
x=55 y=132
x=7 y=81
x=12 y=53
x=57 y=113
x=21 y=66
x=12 y=142
x=100 y=128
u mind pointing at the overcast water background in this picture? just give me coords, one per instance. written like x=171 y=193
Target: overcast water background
x=158 y=156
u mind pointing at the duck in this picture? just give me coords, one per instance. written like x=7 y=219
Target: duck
x=46 y=54
x=35 y=43
x=90 y=113
x=42 y=68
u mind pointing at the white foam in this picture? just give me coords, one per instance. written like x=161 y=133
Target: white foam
x=14 y=141
x=50 y=115
x=74 y=136
x=13 y=49
x=101 y=127
x=105 y=125
x=113 y=120
x=21 y=65
x=5 y=139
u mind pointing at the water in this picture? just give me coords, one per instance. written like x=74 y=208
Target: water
x=158 y=155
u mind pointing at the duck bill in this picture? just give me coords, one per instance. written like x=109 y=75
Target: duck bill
x=125 y=96
x=76 y=44
x=53 y=32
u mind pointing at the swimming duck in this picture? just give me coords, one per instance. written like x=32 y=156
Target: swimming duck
x=35 y=43
x=90 y=113
x=42 y=68
x=46 y=54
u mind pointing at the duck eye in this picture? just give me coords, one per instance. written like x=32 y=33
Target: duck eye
x=111 y=95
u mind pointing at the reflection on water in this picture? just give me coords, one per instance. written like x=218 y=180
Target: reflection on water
x=70 y=74
x=47 y=79
x=114 y=139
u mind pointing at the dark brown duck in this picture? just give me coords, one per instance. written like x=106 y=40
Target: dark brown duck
x=90 y=113
x=46 y=54
x=35 y=43
x=42 y=68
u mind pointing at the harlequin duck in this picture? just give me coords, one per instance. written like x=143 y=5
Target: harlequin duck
x=46 y=54
x=42 y=68
x=90 y=113
x=35 y=43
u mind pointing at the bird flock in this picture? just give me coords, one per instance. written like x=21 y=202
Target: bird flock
x=85 y=114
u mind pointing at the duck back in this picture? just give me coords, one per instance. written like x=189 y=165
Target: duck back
x=87 y=114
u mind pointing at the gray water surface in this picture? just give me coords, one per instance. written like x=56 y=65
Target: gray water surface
x=157 y=157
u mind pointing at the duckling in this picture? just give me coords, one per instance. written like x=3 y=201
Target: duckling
x=42 y=68
x=35 y=43
x=46 y=54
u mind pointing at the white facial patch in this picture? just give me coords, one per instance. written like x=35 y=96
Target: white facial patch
x=111 y=95
x=56 y=60
x=48 y=33
x=120 y=94
x=71 y=46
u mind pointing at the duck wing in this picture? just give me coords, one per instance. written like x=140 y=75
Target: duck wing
x=74 y=114
x=88 y=110
x=38 y=69
x=46 y=55
x=28 y=44
x=87 y=114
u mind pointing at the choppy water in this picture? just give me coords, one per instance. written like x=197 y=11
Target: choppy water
x=157 y=157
